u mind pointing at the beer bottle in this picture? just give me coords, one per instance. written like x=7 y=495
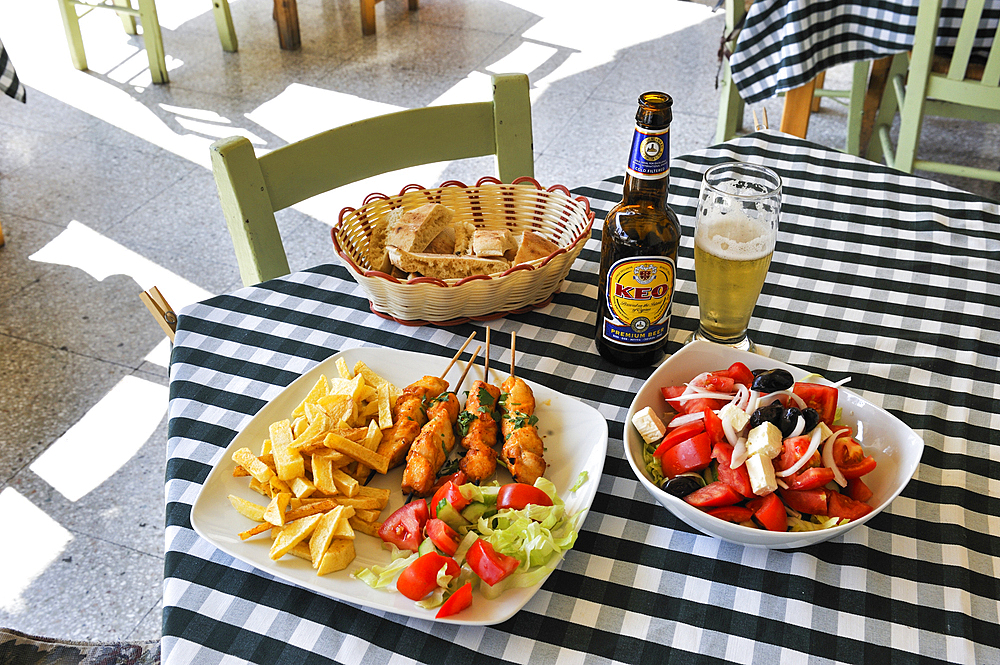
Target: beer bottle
x=639 y=247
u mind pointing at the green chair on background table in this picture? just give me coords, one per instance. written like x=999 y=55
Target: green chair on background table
x=799 y=103
x=922 y=83
x=151 y=35
x=253 y=188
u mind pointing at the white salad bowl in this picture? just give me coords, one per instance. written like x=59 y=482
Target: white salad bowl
x=896 y=448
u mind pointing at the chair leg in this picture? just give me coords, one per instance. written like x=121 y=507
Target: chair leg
x=886 y=111
x=877 y=82
x=856 y=107
x=820 y=82
x=224 y=23
x=730 y=108
x=71 y=22
x=153 y=40
x=128 y=20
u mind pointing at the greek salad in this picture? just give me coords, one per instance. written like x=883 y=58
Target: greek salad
x=466 y=536
x=758 y=449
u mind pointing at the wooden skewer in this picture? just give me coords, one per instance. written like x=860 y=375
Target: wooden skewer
x=468 y=366
x=455 y=358
x=486 y=367
x=513 y=345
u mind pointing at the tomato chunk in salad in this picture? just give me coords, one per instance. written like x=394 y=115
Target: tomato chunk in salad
x=769 y=460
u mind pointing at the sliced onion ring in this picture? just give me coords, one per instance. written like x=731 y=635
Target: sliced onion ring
x=828 y=460
x=817 y=437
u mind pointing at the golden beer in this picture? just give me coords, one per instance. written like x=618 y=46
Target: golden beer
x=731 y=258
x=734 y=237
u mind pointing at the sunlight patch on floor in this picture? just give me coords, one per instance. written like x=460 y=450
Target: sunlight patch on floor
x=107 y=437
x=43 y=541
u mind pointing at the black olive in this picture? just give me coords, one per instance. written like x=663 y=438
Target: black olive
x=767 y=414
x=812 y=419
x=789 y=419
x=772 y=381
x=681 y=486
x=758 y=372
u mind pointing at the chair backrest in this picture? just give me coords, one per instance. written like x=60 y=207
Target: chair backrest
x=252 y=188
x=966 y=78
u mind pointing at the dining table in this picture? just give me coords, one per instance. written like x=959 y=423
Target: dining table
x=880 y=277
x=784 y=45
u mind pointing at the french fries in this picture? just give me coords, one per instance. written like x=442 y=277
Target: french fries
x=311 y=468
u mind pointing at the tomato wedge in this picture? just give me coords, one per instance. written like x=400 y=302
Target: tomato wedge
x=769 y=511
x=842 y=505
x=458 y=478
x=794 y=448
x=675 y=436
x=405 y=527
x=809 y=478
x=448 y=492
x=857 y=490
x=458 y=601
x=693 y=454
x=717 y=382
x=491 y=566
x=819 y=397
x=420 y=577
x=810 y=502
x=443 y=536
x=713 y=495
x=519 y=495
x=713 y=425
x=738 y=478
x=851 y=459
x=739 y=373
x=690 y=405
x=735 y=514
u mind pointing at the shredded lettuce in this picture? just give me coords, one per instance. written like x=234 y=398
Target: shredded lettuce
x=581 y=480
x=379 y=577
x=816 y=523
x=652 y=462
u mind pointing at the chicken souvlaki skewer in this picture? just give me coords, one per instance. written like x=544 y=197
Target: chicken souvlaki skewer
x=409 y=413
x=480 y=426
x=434 y=443
x=523 y=449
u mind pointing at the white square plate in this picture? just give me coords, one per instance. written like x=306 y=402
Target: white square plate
x=576 y=440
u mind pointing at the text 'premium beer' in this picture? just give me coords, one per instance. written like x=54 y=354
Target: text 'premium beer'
x=639 y=247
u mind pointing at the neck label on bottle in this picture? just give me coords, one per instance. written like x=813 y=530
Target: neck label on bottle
x=649 y=158
x=640 y=291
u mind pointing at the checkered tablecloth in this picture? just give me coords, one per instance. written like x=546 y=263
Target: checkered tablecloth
x=884 y=277
x=10 y=85
x=785 y=43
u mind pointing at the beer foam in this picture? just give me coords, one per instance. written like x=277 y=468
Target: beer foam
x=735 y=237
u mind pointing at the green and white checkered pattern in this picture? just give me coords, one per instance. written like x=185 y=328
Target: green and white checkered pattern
x=884 y=277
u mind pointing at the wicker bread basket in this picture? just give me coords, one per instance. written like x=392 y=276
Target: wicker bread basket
x=525 y=204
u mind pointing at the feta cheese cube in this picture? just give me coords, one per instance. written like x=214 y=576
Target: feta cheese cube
x=826 y=431
x=650 y=427
x=765 y=439
x=736 y=416
x=761 y=472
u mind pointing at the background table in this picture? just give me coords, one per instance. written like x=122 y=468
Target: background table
x=880 y=276
x=10 y=85
x=785 y=44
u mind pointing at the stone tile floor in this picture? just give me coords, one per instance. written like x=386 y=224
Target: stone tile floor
x=105 y=190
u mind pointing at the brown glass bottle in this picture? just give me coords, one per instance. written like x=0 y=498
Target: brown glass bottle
x=639 y=247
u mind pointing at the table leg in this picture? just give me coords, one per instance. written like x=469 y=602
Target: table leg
x=798 y=107
x=877 y=81
x=286 y=13
x=368 y=17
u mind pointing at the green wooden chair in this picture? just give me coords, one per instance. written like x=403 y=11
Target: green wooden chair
x=151 y=35
x=796 y=122
x=252 y=188
x=922 y=83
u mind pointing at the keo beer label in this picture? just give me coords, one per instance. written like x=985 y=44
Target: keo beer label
x=640 y=291
x=649 y=158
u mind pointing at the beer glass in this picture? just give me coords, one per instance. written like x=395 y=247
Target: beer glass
x=735 y=232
